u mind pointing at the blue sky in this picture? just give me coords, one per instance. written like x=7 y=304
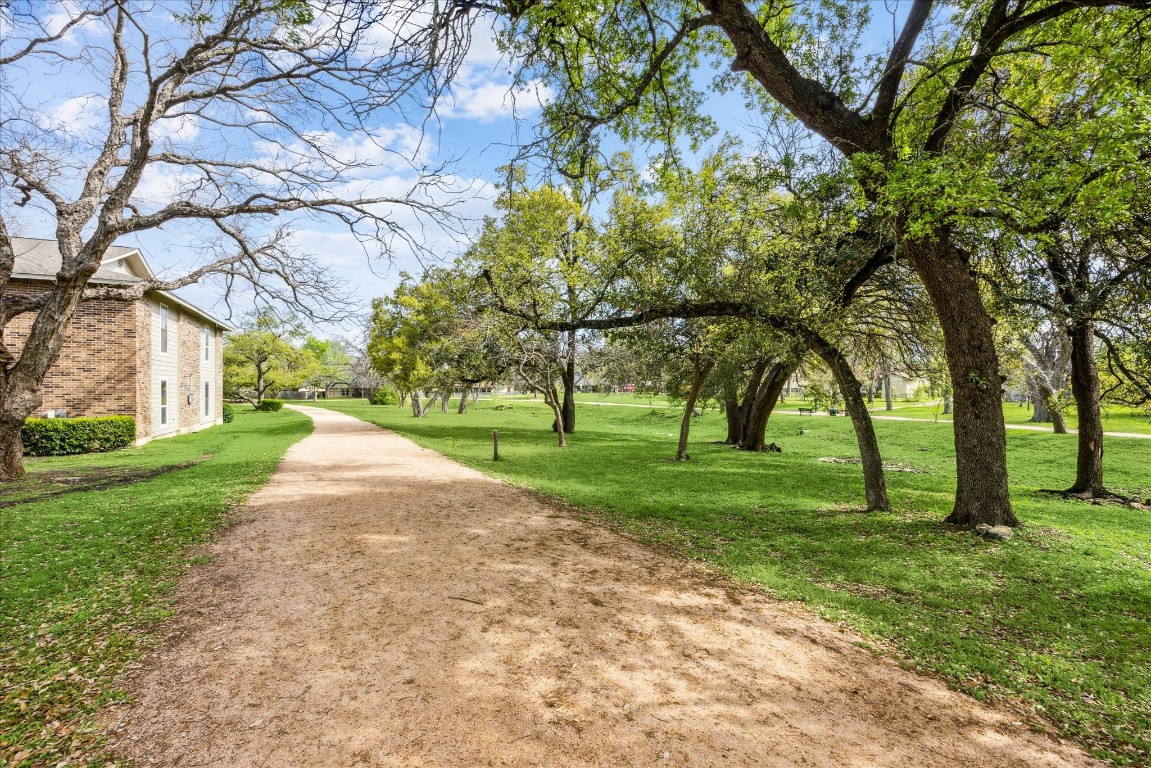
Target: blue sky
x=477 y=131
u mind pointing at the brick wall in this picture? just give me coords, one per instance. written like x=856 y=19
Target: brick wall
x=95 y=374
x=143 y=318
x=191 y=357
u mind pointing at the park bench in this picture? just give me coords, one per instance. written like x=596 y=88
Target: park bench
x=806 y=410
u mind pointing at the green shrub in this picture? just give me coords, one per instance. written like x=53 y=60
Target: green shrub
x=229 y=413
x=60 y=437
x=385 y=396
x=270 y=405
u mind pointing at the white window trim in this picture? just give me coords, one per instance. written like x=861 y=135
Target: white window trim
x=163 y=405
x=207 y=398
x=163 y=329
x=207 y=343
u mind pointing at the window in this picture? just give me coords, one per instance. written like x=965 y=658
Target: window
x=207 y=345
x=163 y=330
x=207 y=399
x=163 y=397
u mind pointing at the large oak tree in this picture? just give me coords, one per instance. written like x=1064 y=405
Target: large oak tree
x=631 y=65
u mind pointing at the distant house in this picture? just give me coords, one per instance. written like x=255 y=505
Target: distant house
x=906 y=387
x=158 y=359
x=351 y=388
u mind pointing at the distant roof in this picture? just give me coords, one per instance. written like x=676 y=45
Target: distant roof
x=40 y=260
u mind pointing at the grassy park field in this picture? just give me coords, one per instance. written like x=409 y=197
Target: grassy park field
x=92 y=545
x=1055 y=622
x=1116 y=418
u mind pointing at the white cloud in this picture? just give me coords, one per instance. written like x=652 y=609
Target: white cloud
x=61 y=14
x=79 y=114
x=496 y=100
x=338 y=250
x=177 y=128
x=161 y=184
x=381 y=152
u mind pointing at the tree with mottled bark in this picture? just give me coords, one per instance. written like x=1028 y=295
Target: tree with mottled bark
x=1046 y=366
x=235 y=111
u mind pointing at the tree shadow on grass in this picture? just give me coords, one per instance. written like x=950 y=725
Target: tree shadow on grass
x=38 y=486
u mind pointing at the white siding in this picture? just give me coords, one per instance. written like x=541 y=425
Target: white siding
x=207 y=365
x=166 y=365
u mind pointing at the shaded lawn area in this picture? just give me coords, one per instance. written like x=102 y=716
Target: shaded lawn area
x=1056 y=621
x=85 y=574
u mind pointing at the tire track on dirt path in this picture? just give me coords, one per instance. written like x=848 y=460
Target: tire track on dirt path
x=379 y=605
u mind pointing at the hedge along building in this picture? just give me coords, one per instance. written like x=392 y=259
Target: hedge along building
x=158 y=359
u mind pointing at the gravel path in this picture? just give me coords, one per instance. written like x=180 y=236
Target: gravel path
x=380 y=605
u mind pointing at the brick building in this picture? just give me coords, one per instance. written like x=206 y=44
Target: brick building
x=159 y=359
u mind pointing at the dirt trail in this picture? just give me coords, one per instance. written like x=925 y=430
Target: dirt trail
x=380 y=605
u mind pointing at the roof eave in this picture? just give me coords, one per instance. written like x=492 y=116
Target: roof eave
x=52 y=279
x=226 y=326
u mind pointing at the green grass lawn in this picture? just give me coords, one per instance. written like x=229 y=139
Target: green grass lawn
x=86 y=574
x=1115 y=418
x=1056 y=621
x=618 y=398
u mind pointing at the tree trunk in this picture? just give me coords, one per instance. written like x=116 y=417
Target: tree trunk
x=739 y=417
x=734 y=416
x=698 y=377
x=567 y=377
x=11 y=449
x=947 y=401
x=552 y=399
x=1046 y=409
x=464 y=399
x=417 y=411
x=1085 y=390
x=887 y=405
x=20 y=382
x=403 y=399
x=259 y=385
x=755 y=436
x=982 y=494
x=445 y=398
x=874 y=480
x=1041 y=414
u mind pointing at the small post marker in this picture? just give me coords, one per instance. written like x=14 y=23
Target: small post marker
x=495 y=445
